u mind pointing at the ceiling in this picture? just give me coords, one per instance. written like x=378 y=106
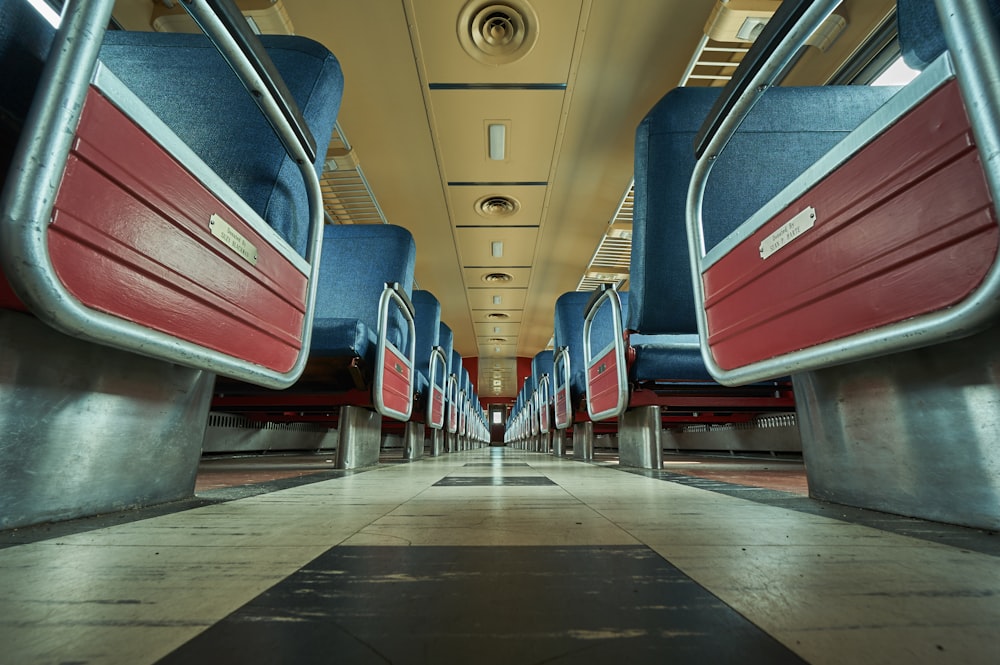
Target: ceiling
x=417 y=108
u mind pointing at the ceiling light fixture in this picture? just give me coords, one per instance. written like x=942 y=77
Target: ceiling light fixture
x=497 y=141
x=497 y=300
x=496 y=249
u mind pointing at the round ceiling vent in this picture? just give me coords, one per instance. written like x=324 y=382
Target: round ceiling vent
x=497 y=205
x=497 y=316
x=497 y=33
x=498 y=277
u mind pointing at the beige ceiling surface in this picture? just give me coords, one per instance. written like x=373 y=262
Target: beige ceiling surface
x=416 y=108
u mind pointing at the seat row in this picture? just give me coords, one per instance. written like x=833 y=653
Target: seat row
x=835 y=244
x=161 y=227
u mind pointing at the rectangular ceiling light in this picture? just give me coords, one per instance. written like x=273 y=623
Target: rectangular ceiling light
x=497 y=300
x=497 y=134
x=496 y=249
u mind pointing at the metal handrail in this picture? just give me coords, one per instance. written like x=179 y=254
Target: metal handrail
x=561 y=354
x=606 y=293
x=438 y=362
x=393 y=294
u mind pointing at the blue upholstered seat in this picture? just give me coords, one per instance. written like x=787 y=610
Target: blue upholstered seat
x=785 y=133
x=427 y=321
x=357 y=262
x=24 y=42
x=541 y=365
x=446 y=339
x=185 y=81
x=568 y=325
x=920 y=36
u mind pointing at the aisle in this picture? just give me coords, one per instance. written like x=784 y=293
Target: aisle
x=495 y=556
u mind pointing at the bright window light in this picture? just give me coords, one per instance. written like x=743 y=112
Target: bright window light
x=46 y=11
x=897 y=74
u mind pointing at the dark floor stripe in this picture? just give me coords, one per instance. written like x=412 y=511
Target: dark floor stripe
x=484 y=605
x=493 y=481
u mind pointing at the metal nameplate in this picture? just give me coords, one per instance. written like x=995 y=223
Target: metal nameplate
x=788 y=232
x=233 y=239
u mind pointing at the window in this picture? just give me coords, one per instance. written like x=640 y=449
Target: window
x=896 y=74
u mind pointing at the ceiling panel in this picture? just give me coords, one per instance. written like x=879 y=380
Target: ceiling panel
x=489 y=351
x=511 y=299
x=462 y=116
x=491 y=205
x=497 y=329
x=476 y=278
x=546 y=62
x=475 y=244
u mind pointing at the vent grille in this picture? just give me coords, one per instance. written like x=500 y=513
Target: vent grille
x=497 y=33
x=497 y=206
x=497 y=316
x=497 y=277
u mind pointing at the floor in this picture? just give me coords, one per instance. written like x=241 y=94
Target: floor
x=500 y=556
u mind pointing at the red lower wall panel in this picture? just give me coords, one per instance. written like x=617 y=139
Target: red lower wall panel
x=905 y=227
x=130 y=237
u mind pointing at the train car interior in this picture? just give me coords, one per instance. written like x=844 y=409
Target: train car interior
x=499 y=331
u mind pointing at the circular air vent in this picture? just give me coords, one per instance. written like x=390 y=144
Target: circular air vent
x=497 y=33
x=497 y=205
x=497 y=277
x=497 y=316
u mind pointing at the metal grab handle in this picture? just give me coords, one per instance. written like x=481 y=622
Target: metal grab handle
x=33 y=182
x=439 y=363
x=226 y=26
x=452 y=425
x=606 y=293
x=393 y=294
x=544 y=404
x=973 y=43
x=562 y=419
x=785 y=19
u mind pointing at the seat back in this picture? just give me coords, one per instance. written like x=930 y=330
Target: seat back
x=788 y=130
x=427 y=321
x=160 y=67
x=921 y=38
x=196 y=276
x=855 y=257
x=358 y=261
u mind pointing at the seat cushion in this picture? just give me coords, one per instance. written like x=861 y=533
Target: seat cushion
x=338 y=338
x=667 y=357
